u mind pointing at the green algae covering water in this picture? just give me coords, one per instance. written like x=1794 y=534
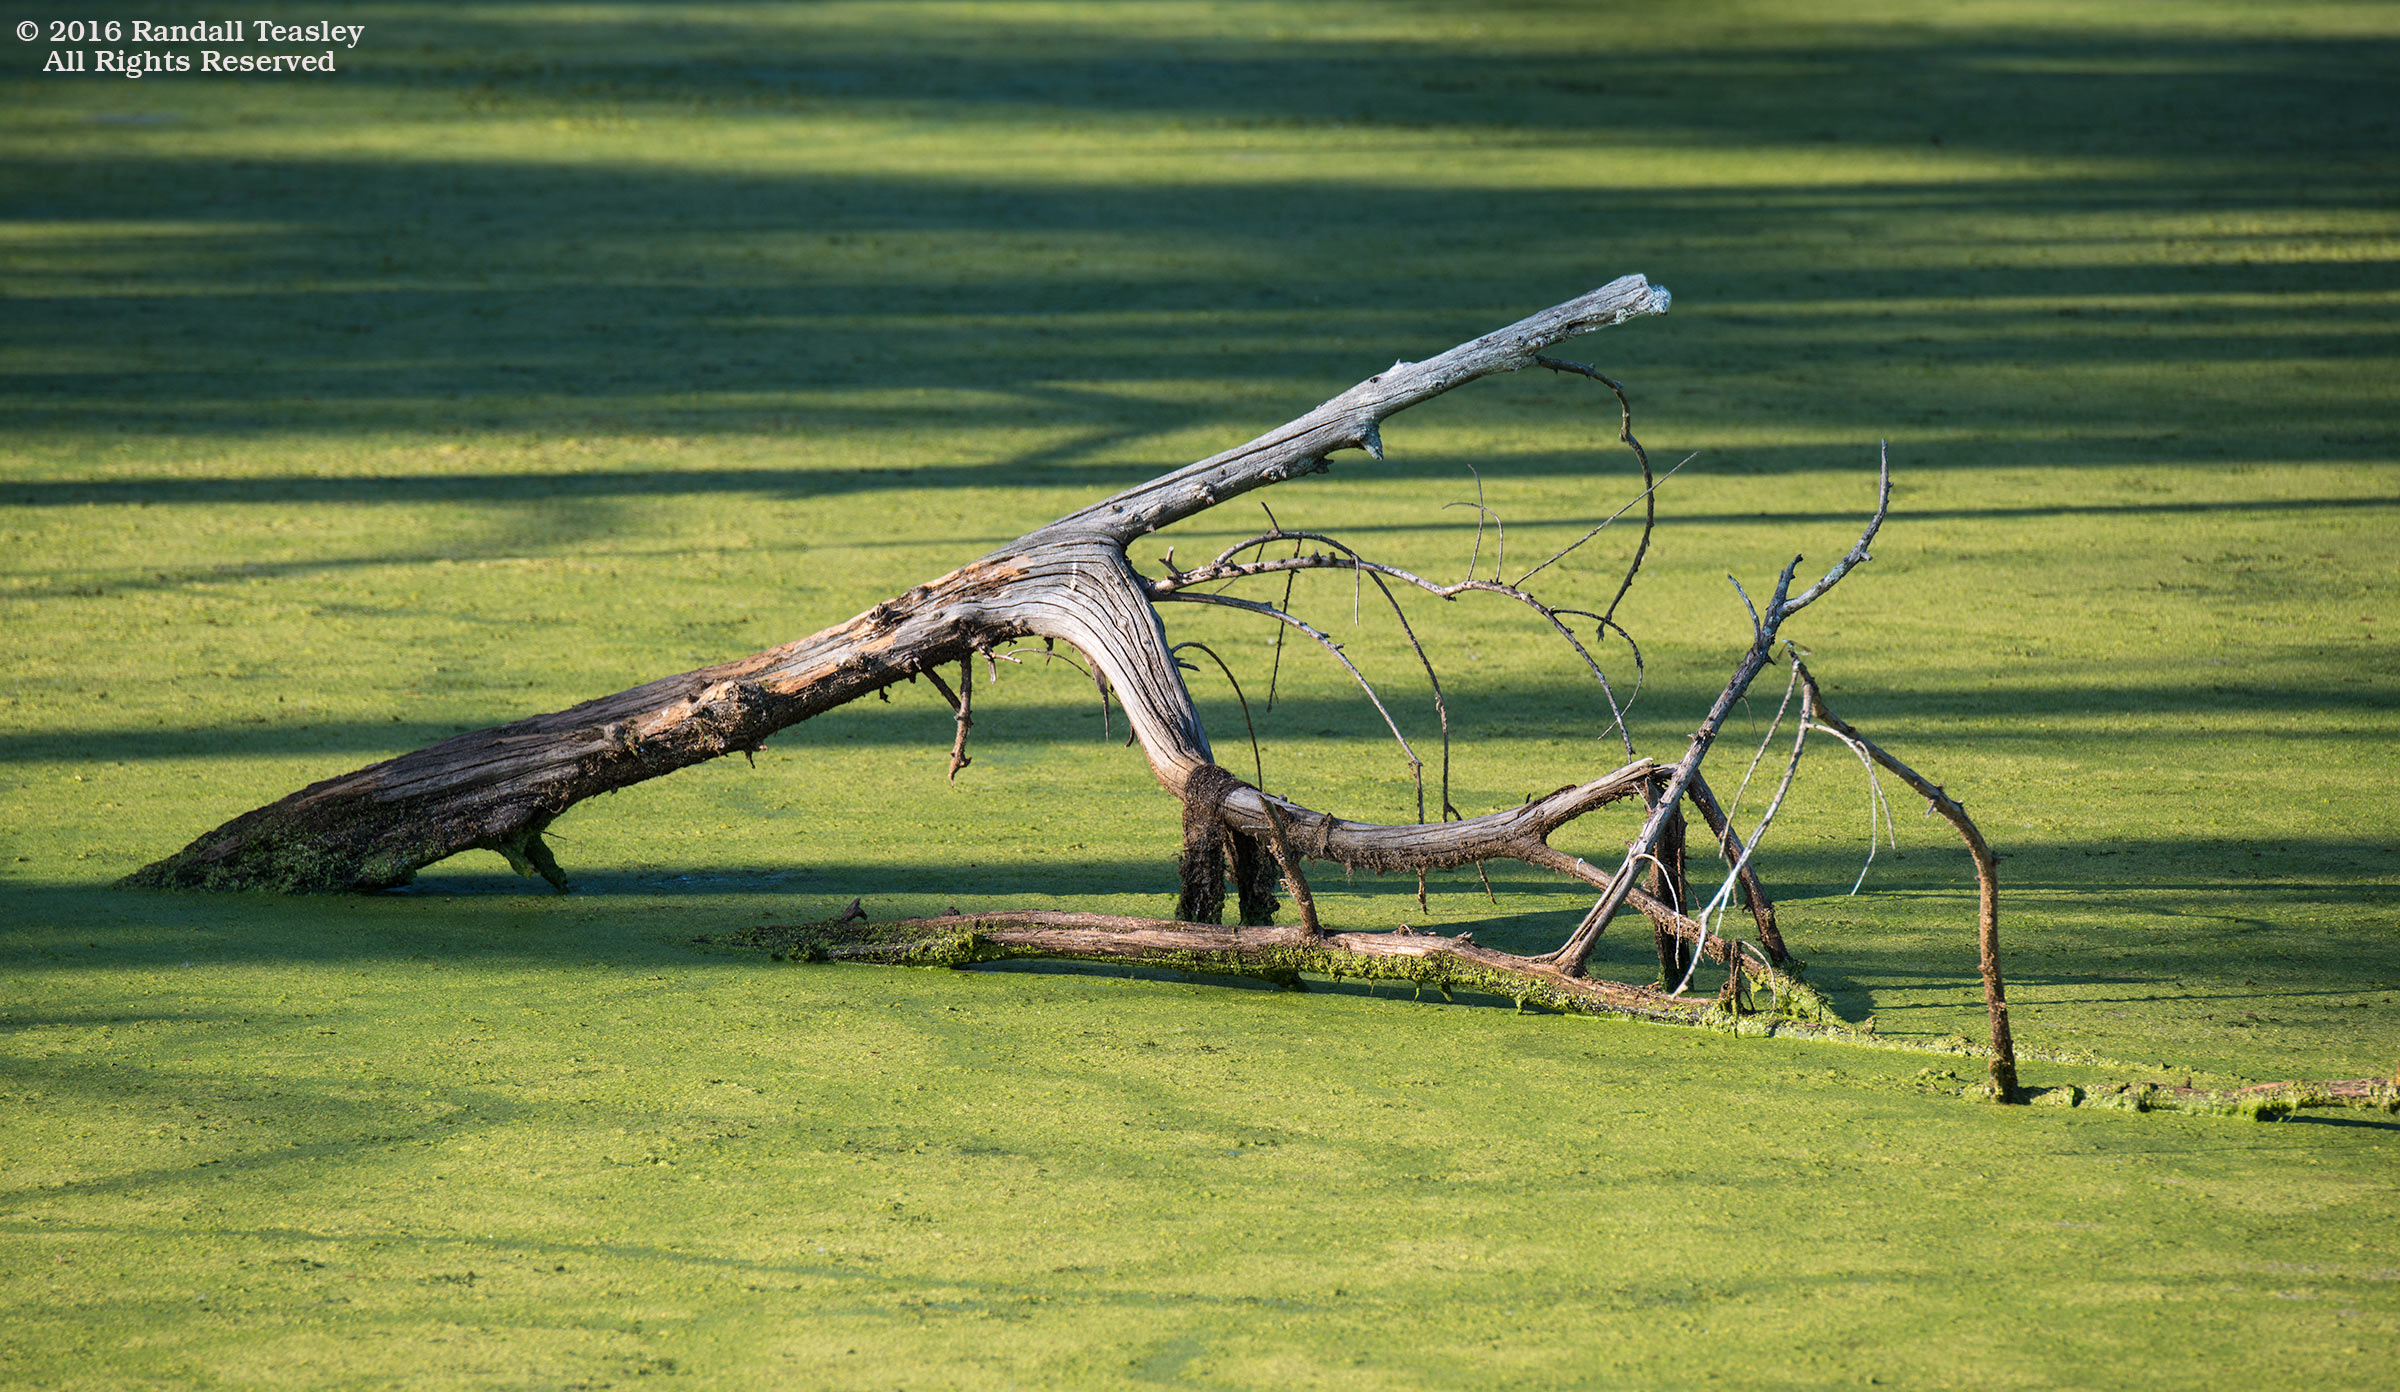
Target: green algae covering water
x=542 y=350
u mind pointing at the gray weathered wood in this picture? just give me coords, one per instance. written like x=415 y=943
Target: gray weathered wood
x=499 y=789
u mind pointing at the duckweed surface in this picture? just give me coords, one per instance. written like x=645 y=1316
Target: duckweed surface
x=545 y=349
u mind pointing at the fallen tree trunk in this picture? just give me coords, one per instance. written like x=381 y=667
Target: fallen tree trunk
x=1070 y=581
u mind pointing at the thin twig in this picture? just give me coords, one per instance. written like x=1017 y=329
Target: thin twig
x=961 y=707
x=1717 y=902
x=1765 y=741
x=1755 y=623
x=1603 y=623
x=1257 y=766
x=1179 y=586
x=1275 y=669
x=1196 y=597
x=1877 y=805
x=1620 y=512
x=1641 y=456
x=1482 y=512
x=1666 y=881
x=1019 y=653
x=1441 y=709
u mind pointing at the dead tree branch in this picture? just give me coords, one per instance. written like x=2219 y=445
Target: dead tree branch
x=1765 y=626
x=1280 y=955
x=1987 y=876
x=1069 y=581
x=961 y=702
x=1072 y=582
x=1762 y=909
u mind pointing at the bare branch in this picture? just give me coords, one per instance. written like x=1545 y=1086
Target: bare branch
x=1577 y=949
x=1294 y=879
x=1857 y=554
x=961 y=705
x=1987 y=879
x=1350 y=420
x=1756 y=623
x=1416 y=765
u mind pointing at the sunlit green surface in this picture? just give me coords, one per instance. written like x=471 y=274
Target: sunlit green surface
x=546 y=349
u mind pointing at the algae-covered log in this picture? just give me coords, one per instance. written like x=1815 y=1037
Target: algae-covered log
x=1781 y=1006
x=1279 y=955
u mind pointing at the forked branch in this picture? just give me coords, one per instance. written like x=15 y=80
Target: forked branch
x=1781 y=605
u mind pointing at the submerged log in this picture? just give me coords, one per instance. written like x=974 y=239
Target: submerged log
x=1279 y=955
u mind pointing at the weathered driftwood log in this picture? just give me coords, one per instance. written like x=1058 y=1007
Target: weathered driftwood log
x=1071 y=581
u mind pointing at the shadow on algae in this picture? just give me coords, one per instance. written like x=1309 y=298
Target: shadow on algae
x=470 y=1137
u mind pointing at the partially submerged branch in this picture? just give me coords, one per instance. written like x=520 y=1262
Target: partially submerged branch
x=1987 y=876
x=1280 y=955
x=1451 y=966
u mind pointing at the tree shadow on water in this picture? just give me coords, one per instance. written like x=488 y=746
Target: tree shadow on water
x=425 y=292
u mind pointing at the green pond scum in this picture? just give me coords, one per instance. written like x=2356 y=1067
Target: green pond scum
x=540 y=350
